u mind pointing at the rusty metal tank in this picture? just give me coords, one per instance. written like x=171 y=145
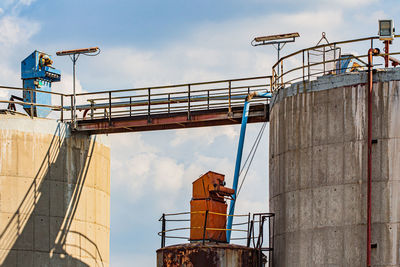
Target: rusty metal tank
x=207 y=255
x=208 y=208
x=208 y=246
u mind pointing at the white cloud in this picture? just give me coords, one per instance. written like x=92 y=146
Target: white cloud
x=168 y=175
x=330 y=3
x=14 y=30
x=14 y=7
x=66 y=83
x=205 y=136
x=26 y=2
x=352 y=3
x=215 y=51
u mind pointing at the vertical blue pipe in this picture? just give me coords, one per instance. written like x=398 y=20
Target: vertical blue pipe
x=239 y=159
x=237 y=167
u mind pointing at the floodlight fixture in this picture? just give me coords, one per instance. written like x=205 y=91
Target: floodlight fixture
x=277 y=40
x=386 y=30
x=273 y=38
x=74 y=55
x=78 y=51
x=280 y=40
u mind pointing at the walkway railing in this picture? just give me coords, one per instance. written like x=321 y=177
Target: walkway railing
x=185 y=98
x=147 y=101
x=11 y=98
x=309 y=63
x=250 y=230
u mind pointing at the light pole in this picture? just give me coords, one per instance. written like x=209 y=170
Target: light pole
x=74 y=55
x=278 y=41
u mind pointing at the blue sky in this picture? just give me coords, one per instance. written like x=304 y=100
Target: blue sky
x=146 y=43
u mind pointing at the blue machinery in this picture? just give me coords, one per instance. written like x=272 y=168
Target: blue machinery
x=38 y=74
x=239 y=154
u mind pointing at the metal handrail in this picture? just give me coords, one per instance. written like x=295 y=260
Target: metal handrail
x=172 y=86
x=279 y=76
x=169 y=100
x=154 y=100
x=254 y=239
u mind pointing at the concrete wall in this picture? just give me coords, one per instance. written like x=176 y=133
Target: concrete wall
x=54 y=195
x=318 y=171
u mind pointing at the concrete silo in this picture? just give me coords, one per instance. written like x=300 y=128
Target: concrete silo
x=54 y=194
x=318 y=170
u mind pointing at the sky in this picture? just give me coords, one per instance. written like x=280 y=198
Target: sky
x=158 y=42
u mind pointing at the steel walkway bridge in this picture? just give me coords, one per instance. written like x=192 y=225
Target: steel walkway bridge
x=158 y=108
x=196 y=104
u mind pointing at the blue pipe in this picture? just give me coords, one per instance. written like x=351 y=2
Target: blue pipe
x=237 y=168
x=263 y=95
x=239 y=159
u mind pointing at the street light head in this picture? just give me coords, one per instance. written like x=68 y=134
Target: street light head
x=276 y=37
x=277 y=40
x=89 y=50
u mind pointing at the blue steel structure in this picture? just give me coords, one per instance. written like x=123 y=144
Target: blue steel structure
x=38 y=74
x=239 y=157
x=349 y=63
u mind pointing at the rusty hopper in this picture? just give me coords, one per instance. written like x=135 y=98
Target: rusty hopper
x=208 y=208
x=208 y=246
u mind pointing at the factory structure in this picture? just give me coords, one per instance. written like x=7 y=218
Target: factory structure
x=334 y=162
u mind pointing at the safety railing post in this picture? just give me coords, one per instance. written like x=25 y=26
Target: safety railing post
x=163 y=231
x=270 y=246
x=208 y=99
x=260 y=238
x=304 y=74
x=308 y=65
x=273 y=235
x=62 y=108
x=270 y=83
x=273 y=80
x=31 y=93
x=205 y=226
x=92 y=109
x=72 y=110
x=248 y=230
x=334 y=57
x=323 y=59
x=169 y=102
x=130 y=106
x=229 y=97
x=188 y=117
x=109 y=107
x=148 y=105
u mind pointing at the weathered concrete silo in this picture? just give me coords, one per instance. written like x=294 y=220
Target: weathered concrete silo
x=318 y=171
x=54 y=194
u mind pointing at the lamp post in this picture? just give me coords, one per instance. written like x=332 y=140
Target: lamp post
x=74 y=55
x=278 y=41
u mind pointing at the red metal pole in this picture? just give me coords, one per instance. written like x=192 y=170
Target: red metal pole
x=371 y=53
x=387 y=53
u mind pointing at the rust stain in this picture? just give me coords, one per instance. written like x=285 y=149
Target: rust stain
x=210 y=255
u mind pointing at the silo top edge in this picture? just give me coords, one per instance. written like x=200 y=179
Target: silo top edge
x=26 y=124
x=328 y=82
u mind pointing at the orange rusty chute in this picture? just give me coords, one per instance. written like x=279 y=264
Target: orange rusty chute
x=209 y=195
